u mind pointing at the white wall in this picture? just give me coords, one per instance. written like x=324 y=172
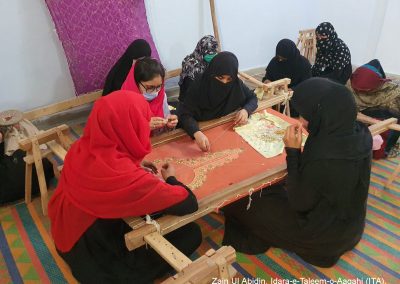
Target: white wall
x=34 y=71
x=33 y=67
x=388 y=49
x=357 y=22
x=176 y=26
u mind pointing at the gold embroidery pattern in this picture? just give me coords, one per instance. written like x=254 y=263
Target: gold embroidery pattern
x=202 y=165
x=264 y=132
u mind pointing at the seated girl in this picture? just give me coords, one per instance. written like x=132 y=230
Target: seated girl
x=103 y=181
x=195 y=63
x=333 y=59
x=217 y=92
x=147 y=78
x=288 y=63
x=116 y=77
x=319 y=213
x=378 y=97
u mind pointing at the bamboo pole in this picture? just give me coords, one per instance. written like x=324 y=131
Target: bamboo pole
x=215 y=24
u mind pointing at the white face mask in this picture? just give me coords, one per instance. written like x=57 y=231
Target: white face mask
x=150 y=96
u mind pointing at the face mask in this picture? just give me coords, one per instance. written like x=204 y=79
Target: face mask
x=209 y=57
x=150 y=96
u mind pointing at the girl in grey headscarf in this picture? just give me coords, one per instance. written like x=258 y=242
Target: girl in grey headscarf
x=195 y=63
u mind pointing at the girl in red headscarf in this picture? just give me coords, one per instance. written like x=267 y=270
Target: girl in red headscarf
x=379 y=97
x=103 y=181
x=147 y=78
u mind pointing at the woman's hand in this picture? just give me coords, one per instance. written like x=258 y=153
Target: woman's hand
x=293 y=136
x=172 y=121
x=150 y=167
x=202 y=141
x=167 y=171
x=241 y=117
x=157 y=122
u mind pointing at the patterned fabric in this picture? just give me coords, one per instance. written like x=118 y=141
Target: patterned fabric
x=27 y=253
x=194 y=63
x=332 y=52
x=386 y=97
x=95 y=34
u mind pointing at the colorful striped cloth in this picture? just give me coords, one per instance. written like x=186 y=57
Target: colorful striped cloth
x=27 y=253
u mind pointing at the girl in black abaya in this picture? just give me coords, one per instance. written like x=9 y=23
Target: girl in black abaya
x=116 y=77
x=217 y=92
x=288 y=63
x=320 y=212
x=333 y=60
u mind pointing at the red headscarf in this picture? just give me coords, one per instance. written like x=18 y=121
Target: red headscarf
x=102 y=176
x=366 y=80
x=156 y=105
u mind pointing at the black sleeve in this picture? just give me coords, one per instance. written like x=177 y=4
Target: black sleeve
x=184 y=87
x=307 y=72
x=187 y=120
x=265 y=76
x=187 y=206
x=251 y=103
x=302 y=192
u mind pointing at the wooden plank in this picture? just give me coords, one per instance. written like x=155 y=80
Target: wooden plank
x=369 y=120
x=57 y=149
x=179 y=133
x=173 y=73
x=28 y=182
x=205 y=268
x=29 y=157
x=62 y=106
x=77 y=101
x=43 y=137
x=167 y=251
x=381 y=126
x=251 y=79
x=62 y=139
x=222 y=269
x=278 y=83
x=40 y=174
x=215 y=23
x=207 y=205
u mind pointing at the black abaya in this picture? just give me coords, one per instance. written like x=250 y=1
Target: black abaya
x=101 y=256
x=208 y=98
x=320 y=213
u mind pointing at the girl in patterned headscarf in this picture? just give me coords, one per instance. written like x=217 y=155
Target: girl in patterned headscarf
x=333 y=59
x=195 y=63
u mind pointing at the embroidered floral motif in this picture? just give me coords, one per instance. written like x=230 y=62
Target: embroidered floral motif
x=264 y=132
x=204 y=164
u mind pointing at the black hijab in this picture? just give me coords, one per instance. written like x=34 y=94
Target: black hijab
x=117 y=75
x=209 y=98
x=331 y=112
x=332 y=52
x=296 y=67
x=375 y=63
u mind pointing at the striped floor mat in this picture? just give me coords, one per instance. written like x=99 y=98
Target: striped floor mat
x=27 y=254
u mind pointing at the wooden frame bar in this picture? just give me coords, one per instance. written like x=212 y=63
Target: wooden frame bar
x=178 y=133
x=56 y=140
x=77 y=101
x=213 y=264
x=382 y=126
x=307 y=44
x=168 y=223
x=171 y=254
x=215 y=24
